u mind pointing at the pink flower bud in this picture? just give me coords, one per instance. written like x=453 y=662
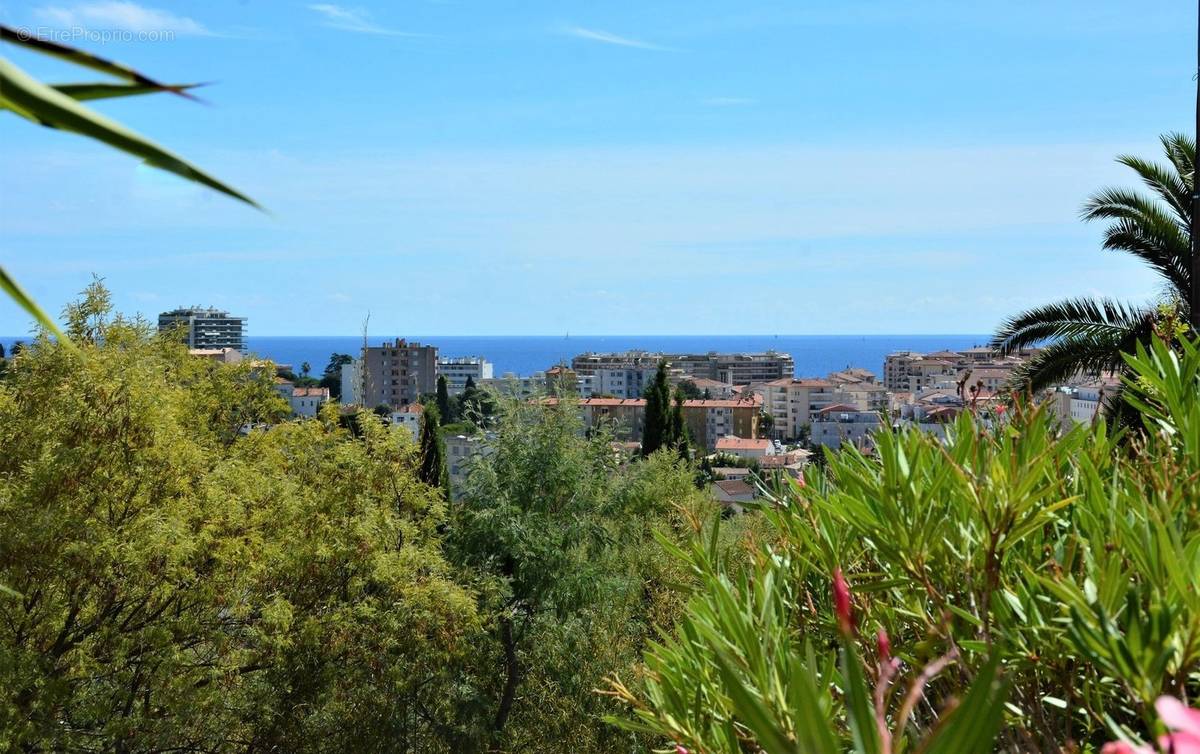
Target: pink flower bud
x=841 y=602
x=680 y=749
x=884 y=644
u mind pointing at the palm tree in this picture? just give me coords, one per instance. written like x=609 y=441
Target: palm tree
x=1088 y=335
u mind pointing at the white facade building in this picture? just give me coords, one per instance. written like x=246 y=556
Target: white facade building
x=457 y=370
x=408 y=417
x=352 y=383
x=307 y=401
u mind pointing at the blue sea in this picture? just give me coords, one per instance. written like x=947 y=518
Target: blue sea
x=815 y=355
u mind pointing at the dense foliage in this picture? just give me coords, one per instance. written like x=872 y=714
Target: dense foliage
x=183 y=569
x=1065 y=563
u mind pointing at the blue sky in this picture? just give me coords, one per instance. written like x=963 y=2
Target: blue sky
x=525 y=167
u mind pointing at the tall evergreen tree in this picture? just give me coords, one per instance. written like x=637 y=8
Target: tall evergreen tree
x=433 y=453
x=443 y=399
x=679 y=438
x=656 y=429
x=1 y=350
x=470 y=383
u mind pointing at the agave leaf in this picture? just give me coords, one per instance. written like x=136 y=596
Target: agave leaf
x=14 y=291
x=108 y=90
x=32 y=99
x=86 y=59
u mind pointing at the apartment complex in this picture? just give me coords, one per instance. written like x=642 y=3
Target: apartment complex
x=912 y=372
x=458 y=370
x=206 y=328
x=726 y=368
x=792 y=403
x=707 y=420
x=396 y=373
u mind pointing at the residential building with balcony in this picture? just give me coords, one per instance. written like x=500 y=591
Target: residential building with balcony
x=205 y=328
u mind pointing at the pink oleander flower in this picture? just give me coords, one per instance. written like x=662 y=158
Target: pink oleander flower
x=680 y=749
x=1183 y=724
x=884 y=644
x=841 y=602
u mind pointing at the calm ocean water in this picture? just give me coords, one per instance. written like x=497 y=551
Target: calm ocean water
x=815 y=355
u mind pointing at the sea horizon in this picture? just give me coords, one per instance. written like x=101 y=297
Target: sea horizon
x=814 y=355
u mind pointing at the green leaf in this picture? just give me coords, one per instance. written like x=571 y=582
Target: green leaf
x=973 y=724
x=859 y=705
x=86 y=59
x=40 y=103
x=107 y=90
x=14 y=291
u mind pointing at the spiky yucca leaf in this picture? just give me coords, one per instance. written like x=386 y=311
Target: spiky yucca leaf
x=15 y=292
x=40 y=103
x=87 y=60
x=108 y=90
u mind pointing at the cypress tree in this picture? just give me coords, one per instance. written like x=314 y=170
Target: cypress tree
x=679 y=432
x=433 y=454
x=443 y=398
x=656 y=430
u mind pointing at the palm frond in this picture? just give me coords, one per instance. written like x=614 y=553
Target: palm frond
x=1121 y=204
x=1082 y=352
x=1071 y=318
x=1181 y=152
x=1163 y=248
x=1171 y=187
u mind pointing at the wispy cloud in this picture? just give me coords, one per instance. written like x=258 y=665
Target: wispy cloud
x=354 y=19
x=728 y=101
x=118 y=14
x=596 y=35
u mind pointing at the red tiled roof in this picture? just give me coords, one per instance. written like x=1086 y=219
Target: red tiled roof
x=839 y=408
x=729 y=442
x=310 y=392
x=734 y=487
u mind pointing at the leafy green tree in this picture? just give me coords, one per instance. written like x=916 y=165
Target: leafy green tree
x=572 y=577
x=432 y=470
x=766 y=423
x=187 y=581
x=656 y=427
x=478 y=405
x=1087 y=335
x=689 y=390
x=443 y=399
x=331 y=378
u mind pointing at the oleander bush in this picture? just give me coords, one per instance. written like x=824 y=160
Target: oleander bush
x=1017 y=588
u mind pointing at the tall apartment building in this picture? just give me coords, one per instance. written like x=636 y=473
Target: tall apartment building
x=397 y=373
x=793 y=403
x=728 y=368
x=206 y=328
x=456 y=371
